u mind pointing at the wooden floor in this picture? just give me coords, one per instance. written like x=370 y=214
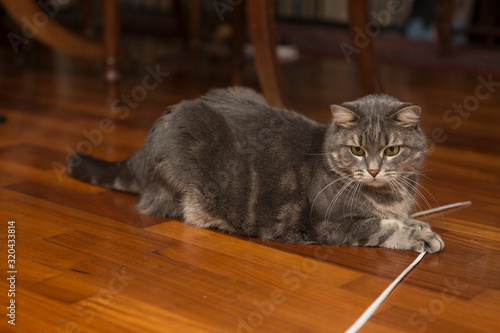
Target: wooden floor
x=87 y=262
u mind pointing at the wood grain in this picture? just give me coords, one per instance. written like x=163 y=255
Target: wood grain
x=87 y=261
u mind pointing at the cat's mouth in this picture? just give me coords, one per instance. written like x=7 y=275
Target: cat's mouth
x=379 y=179
x=375 y=182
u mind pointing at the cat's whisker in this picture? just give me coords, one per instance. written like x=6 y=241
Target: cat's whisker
x=417 y=191
x=324 y=188
x=431 y=147
x=393 y=188
x=421 y=186
x=409 y=186
x=357 y=191
x=349 y=197
x=410 y=196
x=421 y=174
x=403 y=188
x=317 y=154
x=332 y=202
x=423 y=171
x=417 y=184
x=337 y=196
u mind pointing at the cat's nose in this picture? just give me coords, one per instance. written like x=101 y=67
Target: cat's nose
x=374 y=173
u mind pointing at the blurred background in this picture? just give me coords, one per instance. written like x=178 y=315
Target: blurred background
x=457 y=35
x=428 y=52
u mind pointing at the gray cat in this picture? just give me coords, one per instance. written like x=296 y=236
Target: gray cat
x=229 y=160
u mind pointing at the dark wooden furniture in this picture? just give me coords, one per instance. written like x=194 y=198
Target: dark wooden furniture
x=51 y=33
x=261 y=25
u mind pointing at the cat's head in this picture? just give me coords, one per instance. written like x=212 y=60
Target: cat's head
x=375 y=139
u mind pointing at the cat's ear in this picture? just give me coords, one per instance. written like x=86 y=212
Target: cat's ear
x=343 y=117
x=409 y=116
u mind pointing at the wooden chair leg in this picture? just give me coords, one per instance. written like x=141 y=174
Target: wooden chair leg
x=111 y=37
x=181 y=23
x=263 y=36
x=367 y=64
x=238 y=39
x=195 y=18
x=445 y=10
x=52 y=34
x=88 y=18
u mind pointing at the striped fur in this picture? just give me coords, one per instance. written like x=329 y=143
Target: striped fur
x=230 y=161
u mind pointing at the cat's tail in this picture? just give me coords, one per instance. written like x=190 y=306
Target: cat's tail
x=118 y=176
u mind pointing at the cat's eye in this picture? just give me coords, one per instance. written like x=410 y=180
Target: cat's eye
x=391 y=151
x=358 y=151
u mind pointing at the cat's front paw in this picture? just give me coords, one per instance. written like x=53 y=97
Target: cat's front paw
x=417 y=224
x=427 y=241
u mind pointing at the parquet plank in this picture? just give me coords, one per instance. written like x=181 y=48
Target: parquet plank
x=47 y=315
x=49 y=254
x=296 y=281
x=8 y=179
x=115 y=206
x=425 y=321
x=25 y=207
x=455 y=258
x=172 y=295
x=150 y=318
x=111 y=251
x=116 y=251
x=72 y=129
x=248 y=251
x=468 y=228
x=34 y=156
x=31 y=224
x=451 y=302
x=489 y=299
x=32 y=272
x=40 y=177
x=304 y=316
x=61 y=288
x=196 y=294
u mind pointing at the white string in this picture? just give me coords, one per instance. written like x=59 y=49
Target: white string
x=372 y=308
x=441 y=208
x=376 y=304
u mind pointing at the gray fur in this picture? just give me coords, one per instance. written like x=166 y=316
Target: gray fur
x=230 y=161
